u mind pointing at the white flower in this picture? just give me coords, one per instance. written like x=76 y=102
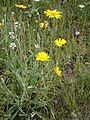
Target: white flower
x=37 y=46
x=81 y=6
x=12 y=45
x=36 y=0
x=11 y=34
x=12 y=13
x=77 y=33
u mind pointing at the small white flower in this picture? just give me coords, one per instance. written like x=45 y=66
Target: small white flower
x=77 y=33
x=36 y=0
x=37 y=46
x=12 y=13
x=81 y=6
x=11 y=34
x=12 y=45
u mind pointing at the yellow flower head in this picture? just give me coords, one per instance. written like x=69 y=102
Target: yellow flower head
x=20 y=6
x=57 y=71
x=53 y=14
x=42 y=56
x=43 y=24
x=59 y=42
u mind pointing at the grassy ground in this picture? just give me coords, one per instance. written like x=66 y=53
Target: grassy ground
x=30 y=89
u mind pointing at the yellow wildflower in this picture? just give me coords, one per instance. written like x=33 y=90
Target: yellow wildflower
x=43 y=24
x=53 y=14
x=42 y=56
x=57 y=71
x=59 y=42
x=20 y=6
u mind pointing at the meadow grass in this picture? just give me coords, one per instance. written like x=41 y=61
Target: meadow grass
x=31 y=89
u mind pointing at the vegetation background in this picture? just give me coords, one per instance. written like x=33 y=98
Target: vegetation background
x=29 y=89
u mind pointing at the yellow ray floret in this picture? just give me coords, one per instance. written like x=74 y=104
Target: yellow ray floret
x=42 y=56
x=53 y=14
x=20 y=6
x=59 y=42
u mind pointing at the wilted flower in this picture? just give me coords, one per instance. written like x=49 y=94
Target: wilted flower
x=81 y=6
x=59 y=42
x=43 y=24
x=12 y=45
x=53 y=14
x=42 y=56
x=57 y=71
x=20 y=6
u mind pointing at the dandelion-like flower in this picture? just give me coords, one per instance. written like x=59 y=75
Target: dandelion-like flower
x=20 y=6
x=57 y=71
x=59 y=42
x=42 y=56
x=53 y=14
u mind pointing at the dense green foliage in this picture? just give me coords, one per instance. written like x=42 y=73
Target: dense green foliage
x=29 y=89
